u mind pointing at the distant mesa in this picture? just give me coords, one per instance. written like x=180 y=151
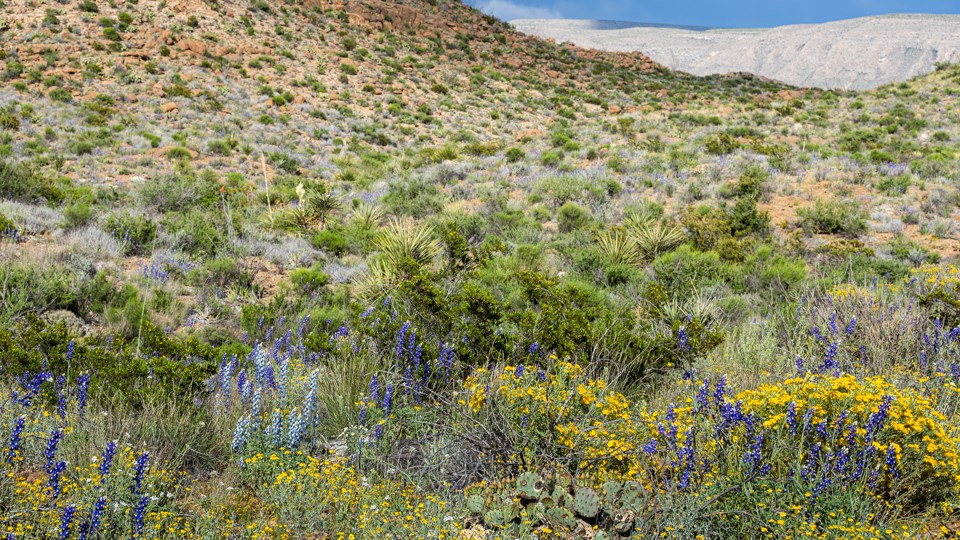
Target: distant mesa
x=853 y=54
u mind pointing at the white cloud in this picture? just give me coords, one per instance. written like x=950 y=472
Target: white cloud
x=508 y=11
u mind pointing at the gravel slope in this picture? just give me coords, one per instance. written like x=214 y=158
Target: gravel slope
x=855 y=54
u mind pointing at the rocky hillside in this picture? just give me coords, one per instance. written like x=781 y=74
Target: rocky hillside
x=855 y=54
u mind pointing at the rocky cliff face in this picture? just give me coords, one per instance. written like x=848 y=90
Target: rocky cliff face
x=855 y=54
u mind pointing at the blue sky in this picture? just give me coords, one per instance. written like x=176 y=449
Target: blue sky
x=746 y=13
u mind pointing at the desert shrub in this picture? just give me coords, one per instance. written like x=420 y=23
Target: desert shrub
x=195 y=233
x=180 y=191
x=514 y=154
x=136 y=233
x=686 y=269
x=77 y=215
x=414 y=197
x=308 y=281
x=834 y=217
x=571 y=216
x=21 y=183
x=331 y=240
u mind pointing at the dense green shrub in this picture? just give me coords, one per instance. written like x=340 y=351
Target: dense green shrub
x=572 y=216
x=136 y=233
x=21 y=183
x=834 y=217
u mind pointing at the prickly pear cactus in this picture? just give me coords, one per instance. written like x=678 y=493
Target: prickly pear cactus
x=609 y=493
x=601 y=536
x=476 y=504
x=631 y=497
x=530 y=486
x=560 y=517
x=586 y=503
x=494 y=518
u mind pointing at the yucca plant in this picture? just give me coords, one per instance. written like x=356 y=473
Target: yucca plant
x=379 y=279
x=311 y=211
x=368 y=215
x=402 y=241
x=618 y=247
x=657 y=239
x=642 y=239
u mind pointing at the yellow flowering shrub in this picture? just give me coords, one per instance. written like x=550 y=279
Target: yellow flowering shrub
x=927 y=449
x=307 y=494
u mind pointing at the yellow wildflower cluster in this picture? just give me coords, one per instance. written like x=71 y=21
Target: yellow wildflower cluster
x=316 y=495
x=919 y=433
x=932 y=277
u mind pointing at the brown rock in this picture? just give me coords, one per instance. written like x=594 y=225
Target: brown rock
x=193 y=46
x=615 y=109
x=169 y=107
x=553 y=74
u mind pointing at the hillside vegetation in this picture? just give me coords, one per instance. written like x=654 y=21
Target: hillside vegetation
x=382 y=269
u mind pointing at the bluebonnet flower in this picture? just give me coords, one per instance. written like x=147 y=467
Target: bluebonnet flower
x=830 y=357
x=363 y=413
x=65 y=521
x=702 y=400
x=295 y=429
x=242 y=382
x=284 y=377
x=541 y=374
x=833 y=323
x=240 y=434
x=139 y=471
x=816 y=333
x=274 y=431
x=139 y=513
x=387 y=400
x=90 y=528
x=850 y=327
x=682 y=340
x=378 y=431
x=533 y=349
x=877 y=419
x=401 y=339
x=256 y=406
x=70 y=346
x=61 y=399
x=446 y=361
x=50 y=452
x=310 y=402
x=891 y=461
x=56 y=471
x=650 y=447
x=518 y=371
x=375 y=388
x=107 y=459
x=719 y=391
x=792 y=417
x=83 y=388
x=15 y=440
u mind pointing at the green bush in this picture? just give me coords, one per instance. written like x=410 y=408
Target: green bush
x=572 y=216
x=22 y=183
x=685 y=270
x=77 y=215
x=331 y=240
x=136 y=233
x=514 y=154
x=308 y=281
x=834 y=217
